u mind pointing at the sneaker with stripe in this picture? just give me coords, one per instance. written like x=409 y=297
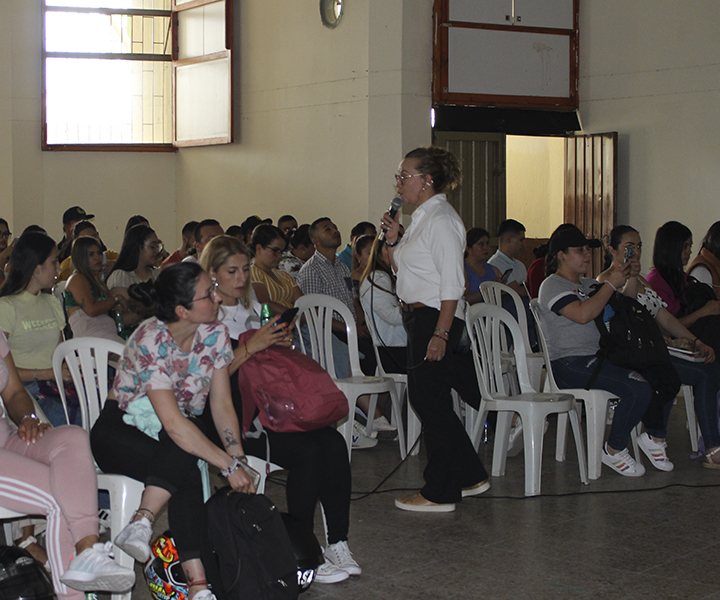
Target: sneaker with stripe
x=622 y=463
x=655 y=451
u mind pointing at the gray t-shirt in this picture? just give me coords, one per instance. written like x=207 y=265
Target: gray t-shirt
x=563 y=336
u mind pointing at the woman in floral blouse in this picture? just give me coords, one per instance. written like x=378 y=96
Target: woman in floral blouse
x=155 y=424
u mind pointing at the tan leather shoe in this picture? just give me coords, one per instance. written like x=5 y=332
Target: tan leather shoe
x=477 y=489
x=417 y=503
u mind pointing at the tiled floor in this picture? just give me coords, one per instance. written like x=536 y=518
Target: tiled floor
x=616 y=538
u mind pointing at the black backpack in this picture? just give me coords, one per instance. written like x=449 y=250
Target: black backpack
x=254 y=559
x=629 y=336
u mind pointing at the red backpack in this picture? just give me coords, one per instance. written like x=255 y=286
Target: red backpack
x=291 y=391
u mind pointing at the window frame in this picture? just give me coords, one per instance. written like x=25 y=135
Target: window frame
x=176 y=8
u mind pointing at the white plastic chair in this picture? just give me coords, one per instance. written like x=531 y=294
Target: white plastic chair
x=485 y=325
x=318 y=310
x=596 y=410
x=492 y=292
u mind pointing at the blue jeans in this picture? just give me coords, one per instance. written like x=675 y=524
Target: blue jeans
x=634 y=394
x=705 y=380
x=52 y=407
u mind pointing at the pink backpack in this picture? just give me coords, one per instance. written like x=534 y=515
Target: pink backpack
x=291 y=391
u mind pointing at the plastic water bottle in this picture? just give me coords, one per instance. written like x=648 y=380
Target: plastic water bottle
x=265 y=314
x=118 y=321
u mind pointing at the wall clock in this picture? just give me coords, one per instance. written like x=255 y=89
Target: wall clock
x=331 y=12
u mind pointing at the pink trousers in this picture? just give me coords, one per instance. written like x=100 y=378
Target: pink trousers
x=54 y=477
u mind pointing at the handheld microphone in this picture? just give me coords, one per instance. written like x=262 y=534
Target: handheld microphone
x=395 y=206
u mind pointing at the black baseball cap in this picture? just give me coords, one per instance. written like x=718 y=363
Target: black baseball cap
x=76 y=213
x=569 y=236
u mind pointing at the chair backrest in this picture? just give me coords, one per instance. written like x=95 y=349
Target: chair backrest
x=318 y=310
x=549 y=377
x=87 y=361
x=492 y=292
x=485 y=324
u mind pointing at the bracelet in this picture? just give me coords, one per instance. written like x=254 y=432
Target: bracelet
x=610 y=284
x=234 y=466
x=32 y=416
x=393 y=244
x=247 y=350
x=442 y=330
x=444 y=339
x=238 y=461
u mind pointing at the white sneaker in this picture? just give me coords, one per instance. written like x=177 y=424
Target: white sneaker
x=623 y=463
x=204 y=595
x=382 y=424
x=135 y=540
x=359 y=440
x=95 y=570
x=339 y=554
x=329 y=573
x=655 y=452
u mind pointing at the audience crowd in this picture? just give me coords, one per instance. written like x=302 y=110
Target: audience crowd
x=189 y=318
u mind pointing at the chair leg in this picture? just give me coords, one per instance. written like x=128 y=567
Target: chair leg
x=561 y=439
x=346 y=429
x=689 y=397
x=396 y=403
x=580 y=447
x=502 y=432
x=533 y=429
x=372 y=407
x=596 y=417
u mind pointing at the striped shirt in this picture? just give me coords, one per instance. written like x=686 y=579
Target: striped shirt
x=280 y=291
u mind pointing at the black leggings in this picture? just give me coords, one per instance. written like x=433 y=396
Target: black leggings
x=123 y=449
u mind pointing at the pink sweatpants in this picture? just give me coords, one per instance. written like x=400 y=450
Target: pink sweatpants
x=54 y=477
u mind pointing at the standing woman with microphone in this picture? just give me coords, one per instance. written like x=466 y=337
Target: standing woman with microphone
x=428 y=261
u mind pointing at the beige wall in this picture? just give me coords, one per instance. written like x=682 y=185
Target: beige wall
x=535 y=183
x=322 y=116
x=36 y=186
x=650 y=72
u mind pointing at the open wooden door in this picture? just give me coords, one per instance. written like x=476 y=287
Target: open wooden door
x=480 y=198
x=591 y=187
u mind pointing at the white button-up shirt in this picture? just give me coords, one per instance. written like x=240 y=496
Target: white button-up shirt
x=429 y=257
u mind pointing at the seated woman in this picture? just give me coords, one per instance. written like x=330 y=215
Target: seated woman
x=87 y=299
x=272 y=286
x=33 y=321
x=477 y=268
x=567 y=311
x=382 y=307
x=136 y=263
x=316 y=460
x=51 y=472
x=671 y=253
x=158 y=419
x=706 y=266
x=705 y=378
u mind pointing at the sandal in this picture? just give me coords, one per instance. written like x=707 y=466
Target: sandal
x=712 y=460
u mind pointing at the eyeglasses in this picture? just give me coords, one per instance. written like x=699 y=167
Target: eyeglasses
x=400 y=179
x=213 y=290
x=275 y=251
x=5 y=234
x=155 y=246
